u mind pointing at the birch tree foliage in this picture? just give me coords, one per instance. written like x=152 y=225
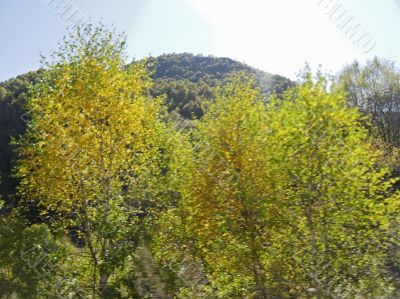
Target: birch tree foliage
x=94 y=139
x=338 y=204
x=87 y=123
x=223 y=222
x=285 y=200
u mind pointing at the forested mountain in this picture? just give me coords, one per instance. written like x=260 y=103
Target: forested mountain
x=183 y=79
x=186 y=79
x=195 y=68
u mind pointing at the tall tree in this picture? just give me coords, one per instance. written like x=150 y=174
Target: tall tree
x=227 y=195
x=336 y=201
x=92 y=147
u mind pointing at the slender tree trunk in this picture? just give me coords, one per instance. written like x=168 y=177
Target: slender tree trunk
x=259 y=275
x=105 y=242
x=103 y=283
x=257 y=268
x=92 y=251
x=314 y=253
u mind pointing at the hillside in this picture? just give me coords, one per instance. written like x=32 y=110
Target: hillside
x=187 y=79
x=195 y=68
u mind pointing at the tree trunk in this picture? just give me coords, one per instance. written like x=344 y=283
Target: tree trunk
x=259 y=274
x=257 y=268
x=103 y=282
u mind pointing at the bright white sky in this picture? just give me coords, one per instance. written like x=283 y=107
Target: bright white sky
x=277 y=36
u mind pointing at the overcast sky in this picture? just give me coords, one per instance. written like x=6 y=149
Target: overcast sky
x=277 y=36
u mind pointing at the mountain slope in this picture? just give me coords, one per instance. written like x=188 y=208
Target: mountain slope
x=195 y=68
x=187 y=79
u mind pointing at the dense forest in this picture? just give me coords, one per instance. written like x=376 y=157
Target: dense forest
x=184 y=176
